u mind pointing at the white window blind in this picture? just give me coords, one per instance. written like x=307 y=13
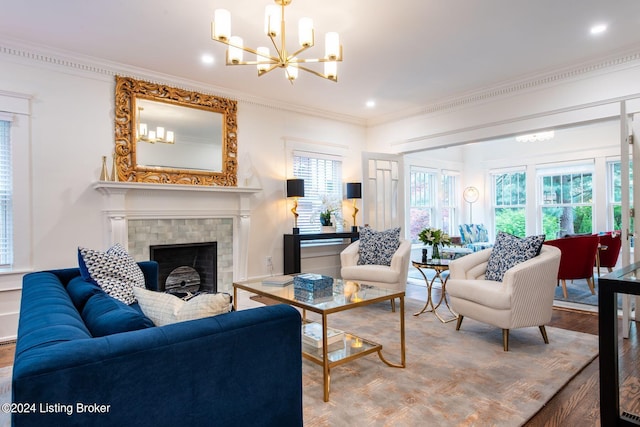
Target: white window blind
x=6 y=196
x=322 y=189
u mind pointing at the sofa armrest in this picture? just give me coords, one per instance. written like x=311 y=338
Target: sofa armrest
x=240 y=368
x=472 y=266
x=350 y=255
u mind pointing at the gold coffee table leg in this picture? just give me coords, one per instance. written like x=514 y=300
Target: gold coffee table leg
x=403 y=362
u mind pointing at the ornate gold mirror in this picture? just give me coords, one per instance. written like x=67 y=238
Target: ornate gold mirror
x=174 y=136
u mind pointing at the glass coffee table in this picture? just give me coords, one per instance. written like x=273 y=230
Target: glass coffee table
x=346 y=296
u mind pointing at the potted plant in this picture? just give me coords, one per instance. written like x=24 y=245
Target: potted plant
x=434 y=237
x=325 y=218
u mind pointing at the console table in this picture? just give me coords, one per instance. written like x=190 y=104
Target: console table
x=292 y=242
x=623 y=281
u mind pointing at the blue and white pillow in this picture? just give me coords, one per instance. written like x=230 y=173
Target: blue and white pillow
x=115 y=271
x=378 y=247
x=510 y=250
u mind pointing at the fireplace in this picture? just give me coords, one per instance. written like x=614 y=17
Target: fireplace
x=186 y=267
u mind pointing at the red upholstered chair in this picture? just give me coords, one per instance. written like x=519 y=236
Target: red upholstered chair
x=609 y=256
x=578 y=256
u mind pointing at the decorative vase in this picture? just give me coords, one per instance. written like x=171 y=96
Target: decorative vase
x=425 y=255
x=114 y=171
x=435 y=254
x=325 y=221
x=103 y=173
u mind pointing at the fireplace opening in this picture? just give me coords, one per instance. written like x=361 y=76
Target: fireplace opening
x=186 y=267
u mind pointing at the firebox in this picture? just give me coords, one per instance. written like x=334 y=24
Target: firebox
x=186 y=267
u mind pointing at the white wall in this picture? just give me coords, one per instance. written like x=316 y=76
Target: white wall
x=72 y=128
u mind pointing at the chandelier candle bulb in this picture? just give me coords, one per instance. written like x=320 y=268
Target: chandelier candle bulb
x=152 y=135
x=170 y=136
x=292 y=71
x=160 y=132
x=305 y=32
x=271 y=21
x=143 y=129
x=262 y=56
x=331 y=69
x=222 y=24
x=332 y=45
x=235 y=49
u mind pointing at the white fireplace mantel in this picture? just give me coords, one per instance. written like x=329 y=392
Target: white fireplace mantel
x=133 y=200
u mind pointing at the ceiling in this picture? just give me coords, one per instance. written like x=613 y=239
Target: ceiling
x=403 y=54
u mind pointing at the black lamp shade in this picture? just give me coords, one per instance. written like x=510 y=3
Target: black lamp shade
x=354 y=190
x=295 y=187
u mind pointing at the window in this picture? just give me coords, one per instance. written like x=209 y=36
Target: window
x=448 y=209
x=422 y=200
x=6 y=196
x=509 y=202
x=614 y=183
x=566 y=200
x=322 y=189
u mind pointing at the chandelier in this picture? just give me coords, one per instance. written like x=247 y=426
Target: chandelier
x=152 y=136
x=274 y=28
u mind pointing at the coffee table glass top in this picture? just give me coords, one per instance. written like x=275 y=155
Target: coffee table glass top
x=345 y=294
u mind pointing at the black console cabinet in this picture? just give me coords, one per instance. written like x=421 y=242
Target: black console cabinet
x=623 y=281
x=292 y=247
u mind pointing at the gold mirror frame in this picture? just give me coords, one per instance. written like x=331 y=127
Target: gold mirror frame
x=127 y=90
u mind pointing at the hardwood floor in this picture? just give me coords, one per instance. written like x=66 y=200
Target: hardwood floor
x=578 y=403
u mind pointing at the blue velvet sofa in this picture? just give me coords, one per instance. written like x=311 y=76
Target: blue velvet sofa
x=242 y=368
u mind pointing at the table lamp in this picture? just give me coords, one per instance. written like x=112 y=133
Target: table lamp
x=295 y=189
x=354 y=191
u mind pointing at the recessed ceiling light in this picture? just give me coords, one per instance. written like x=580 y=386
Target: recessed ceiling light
x=370 y=104
x=206 y=59
x=598 y=28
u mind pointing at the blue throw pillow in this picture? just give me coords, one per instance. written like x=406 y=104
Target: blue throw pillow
x=378 y=247
x=104 y=315
x=510 y=250
x=80 y=291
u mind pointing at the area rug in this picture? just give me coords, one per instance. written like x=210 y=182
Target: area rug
x=5 y=394
x=452 y=378
x=578 y=292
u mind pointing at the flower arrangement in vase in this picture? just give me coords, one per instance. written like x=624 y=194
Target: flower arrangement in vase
x=434 y=237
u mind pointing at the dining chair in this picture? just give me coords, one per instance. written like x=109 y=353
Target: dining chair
x=578 y=256
x=609 y=250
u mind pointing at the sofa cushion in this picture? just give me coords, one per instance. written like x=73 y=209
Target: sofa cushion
x=81 y=290
x=510 y=250
x=378 y=247
x=104 y=315
x=164 y=309
x=115 y=271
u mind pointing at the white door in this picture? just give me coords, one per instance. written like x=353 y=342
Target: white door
x=383 y=191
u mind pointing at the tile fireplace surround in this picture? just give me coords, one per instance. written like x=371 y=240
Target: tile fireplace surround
x=138 y=215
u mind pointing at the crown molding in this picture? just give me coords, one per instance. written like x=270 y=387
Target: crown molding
x=106 y=70
x=616 y=61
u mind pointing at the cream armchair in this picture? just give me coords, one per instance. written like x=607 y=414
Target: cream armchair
x=392 y=276
x=523 y=298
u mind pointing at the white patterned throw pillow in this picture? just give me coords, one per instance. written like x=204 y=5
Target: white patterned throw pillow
x=510 y=250
x=115 y=271
x=164 y=309
x=378 y=247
